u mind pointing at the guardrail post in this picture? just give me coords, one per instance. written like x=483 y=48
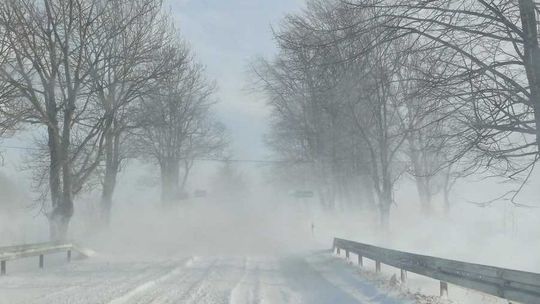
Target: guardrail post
x=403 y=276
x=377 y=266
x=347 y=254
x=2 y=267
x=41 y=258
x=360 y=261
x=69 y=256
x=444 y=289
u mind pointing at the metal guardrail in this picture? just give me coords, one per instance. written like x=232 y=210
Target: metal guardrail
x=513 y=285
x=40 y=249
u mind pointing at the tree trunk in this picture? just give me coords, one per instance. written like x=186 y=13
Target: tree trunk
x=63 y=211
x=187 y=170
x=447 y=187
x=384 y=209
x=446 y=202
x=421 y=179
x=55 y=186
x=170 y=170
x=62 y=205
x=109 y=183
x=112 y=163
x=367 y=187
x=422 y=186
x=58 y=226
x=532 y=57
x=385 y=202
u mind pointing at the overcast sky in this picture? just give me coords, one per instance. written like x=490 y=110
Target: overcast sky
x=226 y=35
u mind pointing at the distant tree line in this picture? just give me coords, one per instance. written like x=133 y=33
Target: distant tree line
x=364 y=92
x=99 y=82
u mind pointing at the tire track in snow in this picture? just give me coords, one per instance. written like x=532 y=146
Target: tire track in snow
x=174 y=292
x=263 y=283
x=178 y=287
x=97 y=286
x=149 y=285
x=216 y=287
x=274 y=287
x=247 y=291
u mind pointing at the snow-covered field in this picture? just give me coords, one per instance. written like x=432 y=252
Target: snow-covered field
x=316 y=277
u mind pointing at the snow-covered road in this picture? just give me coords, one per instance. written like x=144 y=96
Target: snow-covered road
x=309 y=278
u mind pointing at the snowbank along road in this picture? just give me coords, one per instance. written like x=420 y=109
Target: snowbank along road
x=313 y=278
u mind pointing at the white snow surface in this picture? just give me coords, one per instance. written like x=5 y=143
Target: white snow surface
x=315 y=277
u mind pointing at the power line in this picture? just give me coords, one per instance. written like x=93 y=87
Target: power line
x=224 y=160
x=270 y=161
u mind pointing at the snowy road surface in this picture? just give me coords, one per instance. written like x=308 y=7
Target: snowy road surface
x=312 y=278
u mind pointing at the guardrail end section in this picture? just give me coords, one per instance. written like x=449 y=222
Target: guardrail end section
x=85 y=252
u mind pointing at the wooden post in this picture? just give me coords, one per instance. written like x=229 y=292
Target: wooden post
x=377 y=266
x=360 y=261
x=347 y=254
x=69 y=256
x=444 y=289
x=403 y=276
x=41 y=261
x=2 y=267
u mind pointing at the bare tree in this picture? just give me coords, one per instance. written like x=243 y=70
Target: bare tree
x=490 y=58
x=486 y=80
x=175 y=122
x=304 y=89
x=127 y=73
x=52 y=54
x=7 y=91
x=340 y=111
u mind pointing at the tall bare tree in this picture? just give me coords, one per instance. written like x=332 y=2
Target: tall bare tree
x=175 y=122
x=335 y=109
x=127 y=73
x=490 y=66
x=52 y=47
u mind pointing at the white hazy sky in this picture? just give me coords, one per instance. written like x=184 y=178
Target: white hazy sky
x=226 y=35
